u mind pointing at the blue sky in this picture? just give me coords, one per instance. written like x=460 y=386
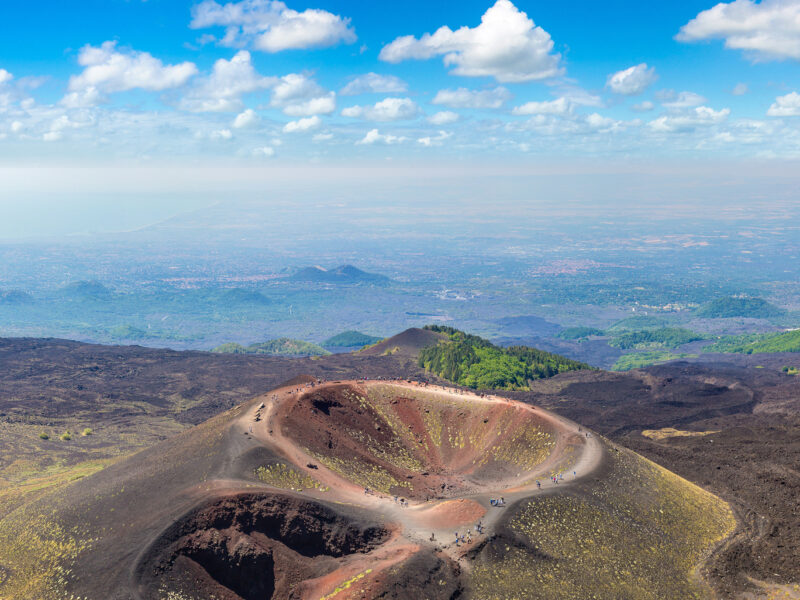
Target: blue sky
x=323 y=82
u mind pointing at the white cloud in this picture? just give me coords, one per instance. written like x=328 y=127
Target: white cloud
x=300 y=96
x=561 y=106
x=766 y=30
x=264 y=151
x=444 y=117
x=17 y=126
x=507 y=45
x=271 y=26
x=85 y=98
x=222 y=90
x=389 y=109
x=222 y=134
x=631 y=81
x=464 y=98
x=740 y=89
x=324 y=105
x=52 y=136
x=245 y=119
x=643 y=106
x=785 y=106
x=375 y=137
x=302 y=125
x=701 y=116
x=372 y=83
x=678 y=101
x=322 y=137
x=5 y=76
x=110 y=70
x=437 y=140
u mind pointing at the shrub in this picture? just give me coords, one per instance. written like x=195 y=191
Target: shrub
x=86 y=432
x=44 y=436
x=66 y=436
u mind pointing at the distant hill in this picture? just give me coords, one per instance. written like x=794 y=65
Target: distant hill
x=666 y=337
x=240 y=296
x=278 y=347
x=350 y=339
x=639 y=322
x=757 y=343
x=16 y=297
x=579 y=333
x=754 y=308
x=408 y=343
x=86 y=290
x=343 y=274
x=474 y=362
x=528 y=325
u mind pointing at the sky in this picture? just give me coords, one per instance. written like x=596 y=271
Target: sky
x=88 y=83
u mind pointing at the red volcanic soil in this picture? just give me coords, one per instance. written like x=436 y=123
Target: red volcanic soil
x=192 y=517
x=416 y=443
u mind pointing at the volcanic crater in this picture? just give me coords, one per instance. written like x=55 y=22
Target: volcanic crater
x=379 y=489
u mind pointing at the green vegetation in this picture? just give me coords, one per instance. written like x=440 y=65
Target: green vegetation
x=756 y=308
x=788 y=341
x=66 y=436
x=637 y=323
x=790 y=370
x=474 y=362
x=640 y=533
x=44 y=436
x=288 y=478
x=638 y=360
x=351 y=339
x=579 y=333
x=666 y=337
x=87 y=432
x=278 y=347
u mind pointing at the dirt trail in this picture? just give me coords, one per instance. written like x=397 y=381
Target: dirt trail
x=423 y=524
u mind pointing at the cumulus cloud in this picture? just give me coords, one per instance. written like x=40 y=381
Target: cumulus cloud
x=389 y=109
x=110 y=70
x=436 y=140
x=643 y=106
x=785 y=106
x=85 y=98
x=245 y=119
x=673 y=101
x=5 y=76
x=222 y=90
x=561 y=106
x=632 y=81
x=765 y=30
x=300 y=96
x=264 y=152
x=52 y=136
x=701 y=116
x=372 y=83
x=464 y=98
x=322 y=137
x=507 y=45
x=375 y=137
x=302 y=125
x=443 y=117
x=222 y=134
x=271 y=26
x=740 y=89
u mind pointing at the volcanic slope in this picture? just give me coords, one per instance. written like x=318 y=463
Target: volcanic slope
x=354 y=489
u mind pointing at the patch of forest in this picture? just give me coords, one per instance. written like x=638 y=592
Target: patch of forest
x=474 y=362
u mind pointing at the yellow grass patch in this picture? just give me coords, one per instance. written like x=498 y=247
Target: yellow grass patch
x=669 y=432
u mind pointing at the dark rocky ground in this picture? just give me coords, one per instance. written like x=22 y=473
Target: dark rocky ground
x=133 y=397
